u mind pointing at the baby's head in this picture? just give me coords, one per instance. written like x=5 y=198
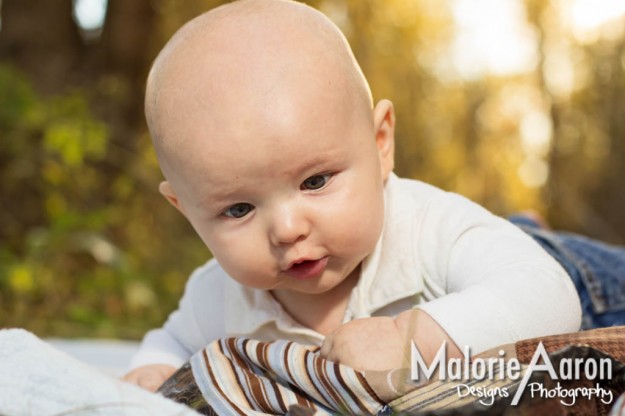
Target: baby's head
x=269 y=143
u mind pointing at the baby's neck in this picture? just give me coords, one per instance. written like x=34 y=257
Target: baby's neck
x=321 y=312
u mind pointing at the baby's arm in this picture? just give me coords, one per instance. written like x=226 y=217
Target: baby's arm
x=487 y=282
x=198 y=320
x=500 y=285
x=384 y=343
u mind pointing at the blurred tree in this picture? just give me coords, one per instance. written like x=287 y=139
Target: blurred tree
x=85 y=244
x=583 y=82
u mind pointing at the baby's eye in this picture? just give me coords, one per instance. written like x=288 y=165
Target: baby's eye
x=316 y=182
x=239 y=210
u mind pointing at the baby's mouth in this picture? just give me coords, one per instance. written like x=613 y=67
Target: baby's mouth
x=307 y=269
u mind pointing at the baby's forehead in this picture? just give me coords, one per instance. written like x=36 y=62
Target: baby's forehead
x=226 y=169
x=293 y=145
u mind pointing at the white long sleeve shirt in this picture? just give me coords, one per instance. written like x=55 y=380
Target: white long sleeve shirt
x=480 y=277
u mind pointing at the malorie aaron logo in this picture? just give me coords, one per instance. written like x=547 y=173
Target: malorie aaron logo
x=493 y=368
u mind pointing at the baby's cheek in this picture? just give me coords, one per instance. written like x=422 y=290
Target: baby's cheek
x=244 y=259
x=357 y=230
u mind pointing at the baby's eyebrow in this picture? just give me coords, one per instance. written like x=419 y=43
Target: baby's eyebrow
x=218 y=196
x=318 y=163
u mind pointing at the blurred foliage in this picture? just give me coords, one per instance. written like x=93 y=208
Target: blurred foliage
x=89 y=248
x=82 y=250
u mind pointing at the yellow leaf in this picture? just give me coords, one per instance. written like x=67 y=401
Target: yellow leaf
x=21 y=279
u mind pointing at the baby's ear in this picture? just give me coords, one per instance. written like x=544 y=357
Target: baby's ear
x=168 y=192
x=384 y=125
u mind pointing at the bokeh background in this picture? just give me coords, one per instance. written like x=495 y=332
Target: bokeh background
x=516 y=104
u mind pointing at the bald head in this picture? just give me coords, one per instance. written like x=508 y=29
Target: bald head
x=245 y=65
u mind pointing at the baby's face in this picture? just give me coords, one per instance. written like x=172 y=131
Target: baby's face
x=287 y=199
x=270 y=146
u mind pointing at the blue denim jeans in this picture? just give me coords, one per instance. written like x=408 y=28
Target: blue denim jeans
x=596 y=268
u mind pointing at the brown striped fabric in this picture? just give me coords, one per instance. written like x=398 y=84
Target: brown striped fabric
x=238 y=376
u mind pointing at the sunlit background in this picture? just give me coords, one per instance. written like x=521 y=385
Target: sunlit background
x=517 y=104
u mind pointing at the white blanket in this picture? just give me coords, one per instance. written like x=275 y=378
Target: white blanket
x=37 y=379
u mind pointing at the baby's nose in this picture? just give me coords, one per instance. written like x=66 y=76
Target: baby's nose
x=289 y=225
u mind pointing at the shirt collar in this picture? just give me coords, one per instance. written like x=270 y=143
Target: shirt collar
x=390 y=272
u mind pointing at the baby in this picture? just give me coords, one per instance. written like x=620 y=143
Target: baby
x=272 y=148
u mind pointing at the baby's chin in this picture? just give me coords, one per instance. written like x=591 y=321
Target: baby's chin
x=326 y=284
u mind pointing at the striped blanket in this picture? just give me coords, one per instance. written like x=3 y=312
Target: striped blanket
x=238 y=376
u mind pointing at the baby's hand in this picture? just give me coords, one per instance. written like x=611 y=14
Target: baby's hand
x=150 y=377
x=368 y=344
x=383 y=343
